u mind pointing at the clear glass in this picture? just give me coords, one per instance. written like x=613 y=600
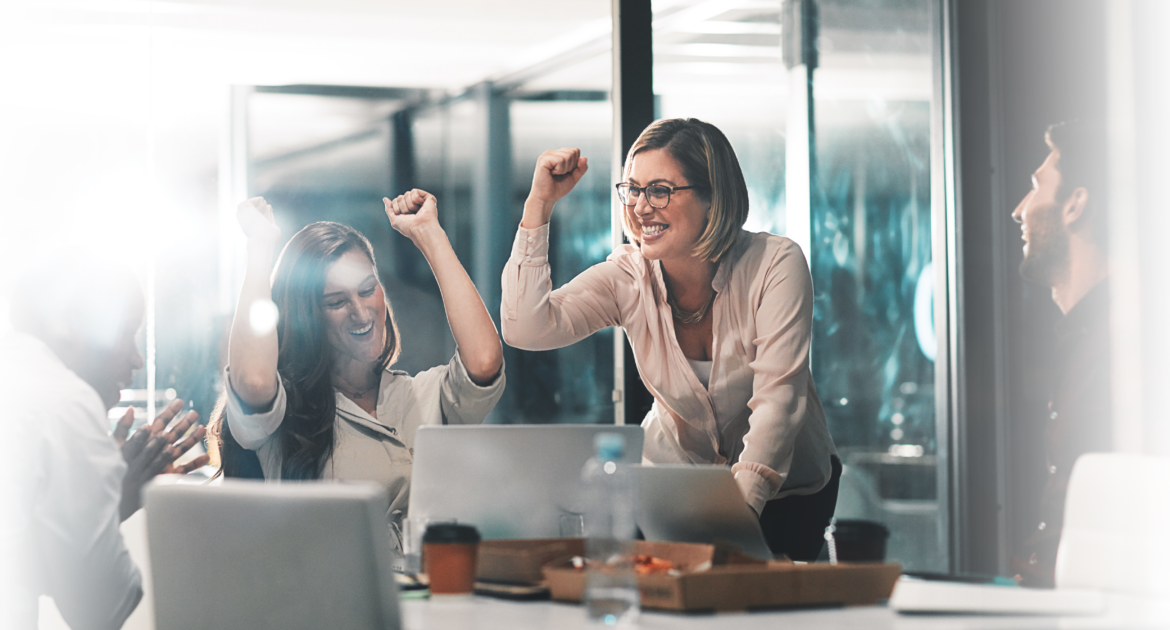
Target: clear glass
x=865 y=224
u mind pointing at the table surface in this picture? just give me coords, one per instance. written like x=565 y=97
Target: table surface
x=483 y=613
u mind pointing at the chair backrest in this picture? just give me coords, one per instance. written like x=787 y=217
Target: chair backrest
x=293 y=556
x=1116 y=534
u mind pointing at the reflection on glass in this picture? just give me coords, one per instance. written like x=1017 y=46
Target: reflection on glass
x=572 y=384
x=868 y=220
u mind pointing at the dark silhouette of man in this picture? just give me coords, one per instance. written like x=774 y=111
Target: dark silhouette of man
x=1063 y=224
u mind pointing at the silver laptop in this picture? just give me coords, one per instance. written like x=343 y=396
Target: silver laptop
x=698 y=504
x=294 y=556
x=510 y=481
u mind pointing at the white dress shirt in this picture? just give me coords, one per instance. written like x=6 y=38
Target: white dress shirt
x=758 y=413
x=60 y=488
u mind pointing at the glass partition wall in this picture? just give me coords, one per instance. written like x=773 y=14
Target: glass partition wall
x=319 y=153
x=828 y=105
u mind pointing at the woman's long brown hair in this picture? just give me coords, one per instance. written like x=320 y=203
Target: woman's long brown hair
x=305 y=357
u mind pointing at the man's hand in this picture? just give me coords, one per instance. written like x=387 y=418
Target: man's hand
x=153 y=450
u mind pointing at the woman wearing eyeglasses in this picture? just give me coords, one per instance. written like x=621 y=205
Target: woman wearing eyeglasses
x=720 y=320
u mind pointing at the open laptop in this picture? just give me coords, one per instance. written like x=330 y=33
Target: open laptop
x=293 y=556
x=697 y=504
x=510 y=481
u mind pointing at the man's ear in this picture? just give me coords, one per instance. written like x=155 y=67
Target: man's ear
x=1073 y=212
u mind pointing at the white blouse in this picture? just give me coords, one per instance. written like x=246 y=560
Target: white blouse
x=759 y=412
x=377 y=449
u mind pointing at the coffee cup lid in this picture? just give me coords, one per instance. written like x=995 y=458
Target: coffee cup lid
x=850 y=529
x=451 y=533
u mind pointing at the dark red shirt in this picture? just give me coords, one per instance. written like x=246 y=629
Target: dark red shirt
x=1080 y=410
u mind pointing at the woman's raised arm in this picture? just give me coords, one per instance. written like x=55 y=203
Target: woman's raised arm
x=415 y=215
x=252 y=349
x=557 y=172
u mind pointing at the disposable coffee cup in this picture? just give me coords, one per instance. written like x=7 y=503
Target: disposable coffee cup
x=449 y=550
x=860 y=541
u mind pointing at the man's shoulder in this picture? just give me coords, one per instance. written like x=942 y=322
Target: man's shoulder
x=38 y=389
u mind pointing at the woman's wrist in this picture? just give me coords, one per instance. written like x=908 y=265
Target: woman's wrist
x=430 y=238
x=536 y=213
x=261 y=250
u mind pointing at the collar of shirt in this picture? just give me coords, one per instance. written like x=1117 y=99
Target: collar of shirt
x=31 y=346
x=1090 y=311
x=350 y=410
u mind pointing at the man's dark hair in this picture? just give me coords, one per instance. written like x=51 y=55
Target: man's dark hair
x=1082 y=165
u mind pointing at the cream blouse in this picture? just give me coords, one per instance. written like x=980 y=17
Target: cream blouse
x=759 y=414
x=378 y=449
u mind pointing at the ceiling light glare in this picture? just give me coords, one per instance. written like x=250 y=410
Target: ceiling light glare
x=263 y=316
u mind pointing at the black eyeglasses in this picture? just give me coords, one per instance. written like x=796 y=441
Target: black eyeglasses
x=657 y=194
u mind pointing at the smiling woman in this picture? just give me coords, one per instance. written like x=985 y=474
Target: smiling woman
x=313 y=398
x=720 y=320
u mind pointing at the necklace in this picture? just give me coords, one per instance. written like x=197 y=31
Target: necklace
x=355 y=394
x=685 y=317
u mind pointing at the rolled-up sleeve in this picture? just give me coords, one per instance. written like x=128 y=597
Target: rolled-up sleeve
x=85 y=565
x=780 y=384
x=462 y=400
x=253 y=427
x=535 y=317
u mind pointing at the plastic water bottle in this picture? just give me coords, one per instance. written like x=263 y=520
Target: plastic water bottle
x=611 y=589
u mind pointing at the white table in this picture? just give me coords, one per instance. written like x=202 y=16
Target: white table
x=483 y=613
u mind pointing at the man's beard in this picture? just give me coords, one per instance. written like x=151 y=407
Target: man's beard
x=1046 y=259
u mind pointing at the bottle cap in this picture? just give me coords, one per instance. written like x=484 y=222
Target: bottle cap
x=609 y=446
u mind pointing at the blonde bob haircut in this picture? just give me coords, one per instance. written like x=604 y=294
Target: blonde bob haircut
x=709 y=163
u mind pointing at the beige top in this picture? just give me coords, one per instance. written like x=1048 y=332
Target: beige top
x=376 y=449
x=760 y=413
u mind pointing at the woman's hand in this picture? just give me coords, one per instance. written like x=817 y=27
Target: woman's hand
x=557 y=172
x=415 y=215
x=255 y=217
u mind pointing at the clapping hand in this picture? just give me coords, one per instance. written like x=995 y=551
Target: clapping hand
x=256 y=219
x=152 y=450
x=413 y=214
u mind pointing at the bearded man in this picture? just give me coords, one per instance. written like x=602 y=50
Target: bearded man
x=1063 y=220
